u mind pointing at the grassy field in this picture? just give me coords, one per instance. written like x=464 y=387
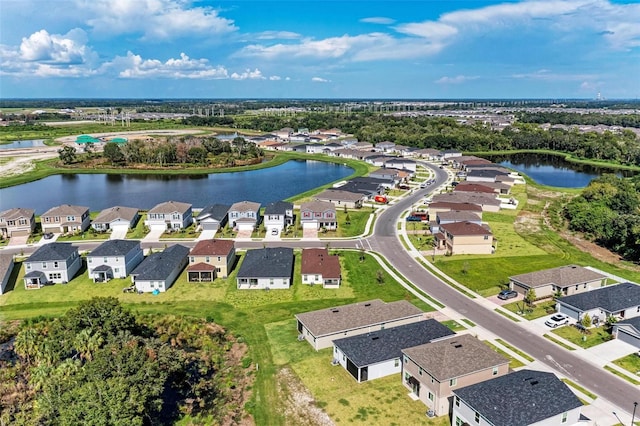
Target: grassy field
x=248 y=314
x=630 y=363
x=558 y=342
x=621 y=375
x=538 y=310
x=596 y=336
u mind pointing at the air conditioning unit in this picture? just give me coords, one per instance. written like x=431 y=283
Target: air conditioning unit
x=431 y=413
x=300 y=337
x=335 y=362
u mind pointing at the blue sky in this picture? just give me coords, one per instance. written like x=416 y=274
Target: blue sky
x=319 y=49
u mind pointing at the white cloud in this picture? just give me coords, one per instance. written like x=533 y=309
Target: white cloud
x=547 y=75
x=134 y=66
x=320 y=80
x=378 y=20
x=155 y=19
x=55 y=48
x=278 y=35
x=256 y=74
x=456 y=80
x=275 y=78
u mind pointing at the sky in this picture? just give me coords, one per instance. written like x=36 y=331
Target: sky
x=419 y=49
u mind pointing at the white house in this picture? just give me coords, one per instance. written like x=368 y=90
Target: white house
x=158 y=271
x=169 y=215
x=114 y=259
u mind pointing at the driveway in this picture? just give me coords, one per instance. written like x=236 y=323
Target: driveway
x=208 y=234
x=153 y=235
x=118 y=233
x=18 y=240
x=272 y=237
x=609 y=351
x=501 y=302
x=310 y=233
x=245 y=233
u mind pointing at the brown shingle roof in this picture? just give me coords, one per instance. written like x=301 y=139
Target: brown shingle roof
x=317 y=206
x=318 y=261
x=467 y=197
x=245 y=206
x=117 y=212
x=356 y=315
x=563 y=276
x=201 y=266
x=16 y=213
x=336 y=194
x=65 y=210
x=465 y=228
x=473 y=187
x=454 y=357
x=212 y=248
x=458 y=216
x=170 y=207
x=455 y=206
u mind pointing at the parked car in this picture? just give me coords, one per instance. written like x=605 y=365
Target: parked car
x=48 y=235
x=414 y=219
x=556 y=320
x=454 y=183
x=423 y=185
x=507 y=294
x=404 y=187
x=274 y=231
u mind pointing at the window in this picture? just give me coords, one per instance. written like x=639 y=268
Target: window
x=486 y=237
x=219 y=258
x=44 y=265
x=477 y=418
x=459 y=421
x=207 y=259
x=430 y=396
x=396 y=362
x=564 y=417
x=192 y=259
x=405 y=359
x=453 y=382
x=420 y=371
x=495 y=371
x=457 y=400
x=55 y=264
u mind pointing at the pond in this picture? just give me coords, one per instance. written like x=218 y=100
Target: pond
x=553 y=170
x=23 y=144
x=99 y=191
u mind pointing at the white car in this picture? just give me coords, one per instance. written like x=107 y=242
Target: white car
x=557 y=320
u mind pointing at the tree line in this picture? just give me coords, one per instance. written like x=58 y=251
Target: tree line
x=592 y=118
x=99 y=364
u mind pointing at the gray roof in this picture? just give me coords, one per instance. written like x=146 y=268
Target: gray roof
x=490 y=173
x=117 y=212
x=369 y=179
x=361 y=187
x=66 y=210
x=276 y=262
x=244 y=206
x=317 y=206
x=339 y=195
x=563 y=276
x=383 y=345
x=170 y=207
x=356 y=315
x=519 y=399
x=633 y=322
x=215 y=211
x=52 y=251
x=115 y=248
x=613 y=298
x=279 y=207
x=467 y=197
x=455 y=357
x=17 y=213
x=458 y=216
x=6 y=267
x=158 y=266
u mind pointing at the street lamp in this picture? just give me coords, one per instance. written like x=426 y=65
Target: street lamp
x=633 y=416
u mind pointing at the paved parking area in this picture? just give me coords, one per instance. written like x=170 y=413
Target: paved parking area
x=18 y=240
x=309 y=233
x=501 y=302
x=611 y=350
x=153 y=235
x=246 y=234
x=118 y=233
x=209 y=234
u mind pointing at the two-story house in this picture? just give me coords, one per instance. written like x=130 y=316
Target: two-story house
x=114 y=259
x=65 y=219
x=51 y=263
x=432 y=371
x=465 y=238
x=244 y=215
x=318 y=215
x=319 y=267
x=17 y=221
x=169 y=215
x=278 y=216
x=210 y=259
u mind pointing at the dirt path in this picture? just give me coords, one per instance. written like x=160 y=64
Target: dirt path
x=22 y=162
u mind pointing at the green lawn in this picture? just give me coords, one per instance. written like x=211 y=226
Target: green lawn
x=454 y=325
x=558 y=342
x=515 y=350
x=621 y=375
x=538 y=310
x=630 y=363
x=596 y=336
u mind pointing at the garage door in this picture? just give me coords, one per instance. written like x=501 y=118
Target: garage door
x=628 y=338
x=209 y=226
x=310 y=225
x=571 y=312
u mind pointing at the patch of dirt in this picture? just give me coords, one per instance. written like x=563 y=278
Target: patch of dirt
x=300 y=408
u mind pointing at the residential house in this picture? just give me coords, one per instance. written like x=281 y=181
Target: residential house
x=489 y=203
x=244 y=215
x=6 y=269
x=363 y=146
x=450 y=153
x=401 y=163
x=211 y=259
x=114 y=259
x=169 y=215
x=382 y=182
x=298 y=137
x=332 y=146
x=341 y=198
x=428 y=153
x=566 y=280
x=319 y=267
x=475 y=187
x=621 y=301
x=526 y=397
x=465 y=238
x=268 y=268
x=116 y=218
x=159 y=270
x=65 y=219
x=212 y=217
x=384 y=146
x=497 y=187
x=432 y=371
x=318 y=215
x=377 y=160
x=628 y=330
x=484 y=175
x=378 y=354
x=369 y=189
x=320 y=328
x=17 y=222
x=278 y=216
x=444 y=206
x=393 y=175
x=53 y=263
x=453 y=216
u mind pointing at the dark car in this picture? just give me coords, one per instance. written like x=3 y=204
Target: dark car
x=48 y=235
x=507 y=294
x=414 y=219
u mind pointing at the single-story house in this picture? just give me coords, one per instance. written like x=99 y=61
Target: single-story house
x=488 y=202
x=65 y=219
x=320 y=328
x=210 y=259
x=465 y=238
x=278 y=216
x=378 y=354
x=318 y=215
x=568 y=280
x=17 y=222
x=159 y=270
x=6 y=269
x=401 y=163
x=266 y=269
x=341 y=198
x=170 y=215
x=114 y=259
x=244 y=215
x=526 y=397
x=393 y=175
x=212 y=217
x=384 y=146
x=475 y=187
x=319 y=267
x=51 y=263
x=115 y=218
x=444 y=206
x=628 y=330
x=383 y=182
x=363 y=146
x=453 y=216
x=484 y=175
x=433 y=370
x=621 y=301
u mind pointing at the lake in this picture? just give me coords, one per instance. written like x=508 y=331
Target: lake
x=23 y=144
x=553 y=170
x=99 y=191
